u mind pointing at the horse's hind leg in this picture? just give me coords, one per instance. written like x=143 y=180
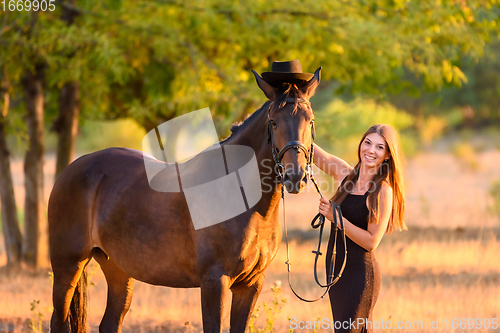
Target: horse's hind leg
x=243 y=302
x=120 y=288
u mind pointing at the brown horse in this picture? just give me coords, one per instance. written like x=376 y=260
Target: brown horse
x=102 y=207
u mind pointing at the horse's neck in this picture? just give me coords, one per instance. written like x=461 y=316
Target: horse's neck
x=254 y=135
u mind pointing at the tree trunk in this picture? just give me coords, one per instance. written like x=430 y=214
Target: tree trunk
x=10 y=224
x=35 y=225
x=66 y=125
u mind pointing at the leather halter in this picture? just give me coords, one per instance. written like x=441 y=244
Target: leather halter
x=278 y=154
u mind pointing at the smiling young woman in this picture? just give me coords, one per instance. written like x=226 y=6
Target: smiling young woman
x=371 y=197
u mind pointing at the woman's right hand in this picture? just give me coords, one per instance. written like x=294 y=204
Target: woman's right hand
x=325 y=208
x=330 y=164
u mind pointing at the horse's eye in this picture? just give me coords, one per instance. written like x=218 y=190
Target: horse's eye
x=273 y=123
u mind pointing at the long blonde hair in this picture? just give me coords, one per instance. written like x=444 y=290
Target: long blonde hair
x=390 y=171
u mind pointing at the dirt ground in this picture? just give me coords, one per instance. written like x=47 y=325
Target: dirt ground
x=450 y=252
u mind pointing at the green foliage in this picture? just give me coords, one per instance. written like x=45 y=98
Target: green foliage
x=42 y=41
x=153 y=60
x=93 y=269
x=271 y=312
x=35 y=324
x=495 y=195
x=340 y=125
x=474 y=104
x=318 y=319
x=466 y=154
x=51 y=278
x=478 y=100
x=98 y=135
x=431 y=128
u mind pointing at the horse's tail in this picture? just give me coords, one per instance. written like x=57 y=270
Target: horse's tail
x=78 y=308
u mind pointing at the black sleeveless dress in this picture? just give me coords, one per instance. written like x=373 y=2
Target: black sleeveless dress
x=356 y=292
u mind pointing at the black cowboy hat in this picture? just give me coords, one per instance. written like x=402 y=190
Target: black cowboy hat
x=286 y=71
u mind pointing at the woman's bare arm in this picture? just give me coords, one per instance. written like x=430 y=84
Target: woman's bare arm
x=330 y=164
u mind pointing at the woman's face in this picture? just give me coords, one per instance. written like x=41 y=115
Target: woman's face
x=373 y=151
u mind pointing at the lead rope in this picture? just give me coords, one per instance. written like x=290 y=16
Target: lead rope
x=337 y=218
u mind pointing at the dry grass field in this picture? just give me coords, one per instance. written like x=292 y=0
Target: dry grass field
x=446 y=266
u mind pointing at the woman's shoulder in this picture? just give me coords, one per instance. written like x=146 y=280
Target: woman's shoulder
x=385 y=195
x=385 y=183
x=385 y=190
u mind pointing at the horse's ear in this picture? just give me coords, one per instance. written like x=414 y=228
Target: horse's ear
x=268 y=90
x=310 y=87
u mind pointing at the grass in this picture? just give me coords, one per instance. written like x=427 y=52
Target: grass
x=445 y=266
x=270 y=312
x=36 y=321
x=427 y=273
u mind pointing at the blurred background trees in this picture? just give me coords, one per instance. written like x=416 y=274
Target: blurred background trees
x=426 y=67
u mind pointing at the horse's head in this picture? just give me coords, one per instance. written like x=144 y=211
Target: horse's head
x=291 y=128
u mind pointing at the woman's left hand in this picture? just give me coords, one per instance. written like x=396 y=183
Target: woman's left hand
x=325 y=208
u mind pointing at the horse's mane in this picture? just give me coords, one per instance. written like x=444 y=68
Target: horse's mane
x=237 y=126
x=288 y=90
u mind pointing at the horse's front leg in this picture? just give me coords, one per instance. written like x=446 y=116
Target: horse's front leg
x=244 y=299
x=214 y=287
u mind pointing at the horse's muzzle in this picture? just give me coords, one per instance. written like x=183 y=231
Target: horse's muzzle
x=295 y=182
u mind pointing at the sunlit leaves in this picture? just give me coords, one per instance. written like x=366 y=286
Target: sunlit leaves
x=155 y=59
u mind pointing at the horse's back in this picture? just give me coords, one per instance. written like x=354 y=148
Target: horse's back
x=73 y=195
x=77 y=184
x=104 y=200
